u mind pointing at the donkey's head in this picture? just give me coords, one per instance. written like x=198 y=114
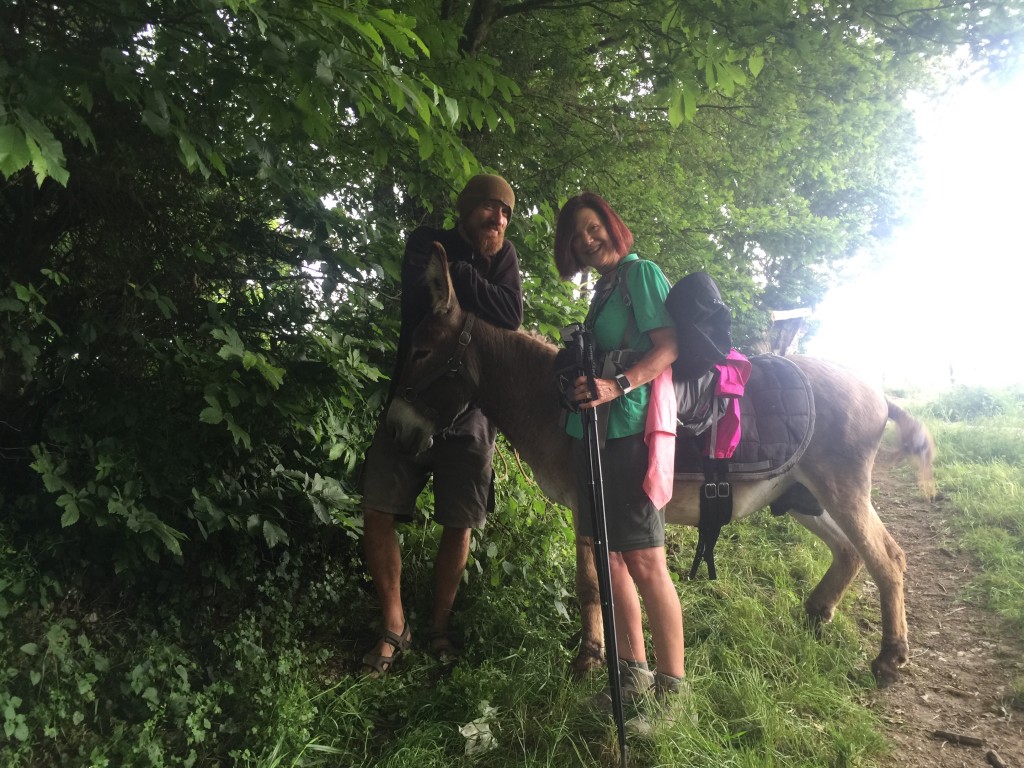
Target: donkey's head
x=440 y=375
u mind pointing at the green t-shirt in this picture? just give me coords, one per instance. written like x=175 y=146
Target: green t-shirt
x=648 y=288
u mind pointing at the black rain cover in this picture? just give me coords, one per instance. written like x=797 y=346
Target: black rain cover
x=703 y=325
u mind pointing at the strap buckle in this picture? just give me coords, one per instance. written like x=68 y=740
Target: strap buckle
x=720 y=490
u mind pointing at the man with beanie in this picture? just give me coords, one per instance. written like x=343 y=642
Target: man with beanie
x=484 y=269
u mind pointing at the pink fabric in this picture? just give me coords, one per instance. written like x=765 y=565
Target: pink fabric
x=660 y=436
x=733 y=373
x=660 y=430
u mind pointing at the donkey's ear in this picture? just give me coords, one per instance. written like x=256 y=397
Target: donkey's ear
x=439 y=283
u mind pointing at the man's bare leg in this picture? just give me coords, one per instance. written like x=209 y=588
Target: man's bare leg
x=452 y=552
x=384 y=560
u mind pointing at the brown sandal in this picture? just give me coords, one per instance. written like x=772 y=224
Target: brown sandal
x=376 y=665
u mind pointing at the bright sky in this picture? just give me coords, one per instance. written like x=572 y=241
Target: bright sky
x=946 y=302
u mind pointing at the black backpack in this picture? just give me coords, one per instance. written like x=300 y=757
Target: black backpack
x=702 y=320
x=703 y=325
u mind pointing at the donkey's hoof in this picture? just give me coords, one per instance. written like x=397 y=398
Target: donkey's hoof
x=589 y=657
x=886 y=667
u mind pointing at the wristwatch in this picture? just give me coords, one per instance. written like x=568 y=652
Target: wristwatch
x=623 y=381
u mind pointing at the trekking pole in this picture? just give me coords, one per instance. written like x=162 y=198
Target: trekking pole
x=599 y=522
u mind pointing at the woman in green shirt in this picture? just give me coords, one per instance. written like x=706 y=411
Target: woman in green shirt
x=590 y=235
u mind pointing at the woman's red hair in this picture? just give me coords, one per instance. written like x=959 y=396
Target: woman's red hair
x=619 y=234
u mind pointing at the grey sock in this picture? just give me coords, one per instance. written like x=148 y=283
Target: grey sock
x=630 y=663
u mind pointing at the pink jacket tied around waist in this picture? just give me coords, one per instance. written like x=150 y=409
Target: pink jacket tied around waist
x=660 y=430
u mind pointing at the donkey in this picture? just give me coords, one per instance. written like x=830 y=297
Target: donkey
x=456 y=359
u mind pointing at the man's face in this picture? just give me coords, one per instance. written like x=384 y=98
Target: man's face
x=484 y=227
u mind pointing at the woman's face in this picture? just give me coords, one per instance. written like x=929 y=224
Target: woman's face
x=591 y=244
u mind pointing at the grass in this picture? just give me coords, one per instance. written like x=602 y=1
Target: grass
x=267 y=678
x=764 y=689
x=980 y=473
x=270 y=682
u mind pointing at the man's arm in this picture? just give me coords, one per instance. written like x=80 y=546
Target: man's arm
x=497 y=297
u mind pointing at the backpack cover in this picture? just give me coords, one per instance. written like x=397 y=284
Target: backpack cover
x=703 y=325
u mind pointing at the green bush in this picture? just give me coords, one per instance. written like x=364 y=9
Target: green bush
x=964 y=403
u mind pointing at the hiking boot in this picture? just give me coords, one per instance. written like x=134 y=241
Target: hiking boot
x=636 y=681
x=667 y=706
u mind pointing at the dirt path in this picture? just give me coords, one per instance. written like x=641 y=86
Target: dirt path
x=962 y=658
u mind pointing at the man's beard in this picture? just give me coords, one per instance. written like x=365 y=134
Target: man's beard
x=487 y=242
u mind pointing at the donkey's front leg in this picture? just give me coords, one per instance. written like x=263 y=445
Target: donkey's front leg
x=591 y=651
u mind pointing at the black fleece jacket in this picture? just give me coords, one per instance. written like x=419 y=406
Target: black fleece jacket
x=492 y=289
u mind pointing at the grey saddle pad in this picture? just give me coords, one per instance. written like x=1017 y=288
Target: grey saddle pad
x=776 y=418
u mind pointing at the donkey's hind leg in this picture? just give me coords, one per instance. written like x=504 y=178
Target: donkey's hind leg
x=846 y=564
x=852 y=511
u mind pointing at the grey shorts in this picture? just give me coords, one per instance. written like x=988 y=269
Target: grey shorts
x=633 y=522
x=459 y=463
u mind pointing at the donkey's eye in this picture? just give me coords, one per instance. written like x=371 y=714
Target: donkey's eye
x=419 y=354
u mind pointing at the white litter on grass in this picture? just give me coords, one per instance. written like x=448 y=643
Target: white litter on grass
x=479 y=738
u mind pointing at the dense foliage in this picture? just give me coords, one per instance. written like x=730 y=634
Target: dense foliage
x=202 y=207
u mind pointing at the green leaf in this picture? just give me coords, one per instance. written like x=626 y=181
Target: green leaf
x=29 y=649
x=46 y=152
x=191 y=156
x=70 y=516
x=14 y=154
x=168 y=536
x=211 y=415
x=689 y=102
x=492 y=117
x=426 y=146
x=755 y=64
x=324 y=73
x=158 y=124
x=393 y=27
x=451 y=108
x=239 y=434
x=233 y=346
x=273 y=534
x=71 y=512
x=675 y=108
x=217 y=162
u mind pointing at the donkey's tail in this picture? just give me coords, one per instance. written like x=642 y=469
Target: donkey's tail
x=916 y=441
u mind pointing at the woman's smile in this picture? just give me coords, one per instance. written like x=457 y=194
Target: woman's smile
x=591 y=244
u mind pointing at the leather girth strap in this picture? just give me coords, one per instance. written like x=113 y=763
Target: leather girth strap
x=715 y=512
x=715 y=504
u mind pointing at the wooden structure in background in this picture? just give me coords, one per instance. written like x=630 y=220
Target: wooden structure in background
x=788 y=326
